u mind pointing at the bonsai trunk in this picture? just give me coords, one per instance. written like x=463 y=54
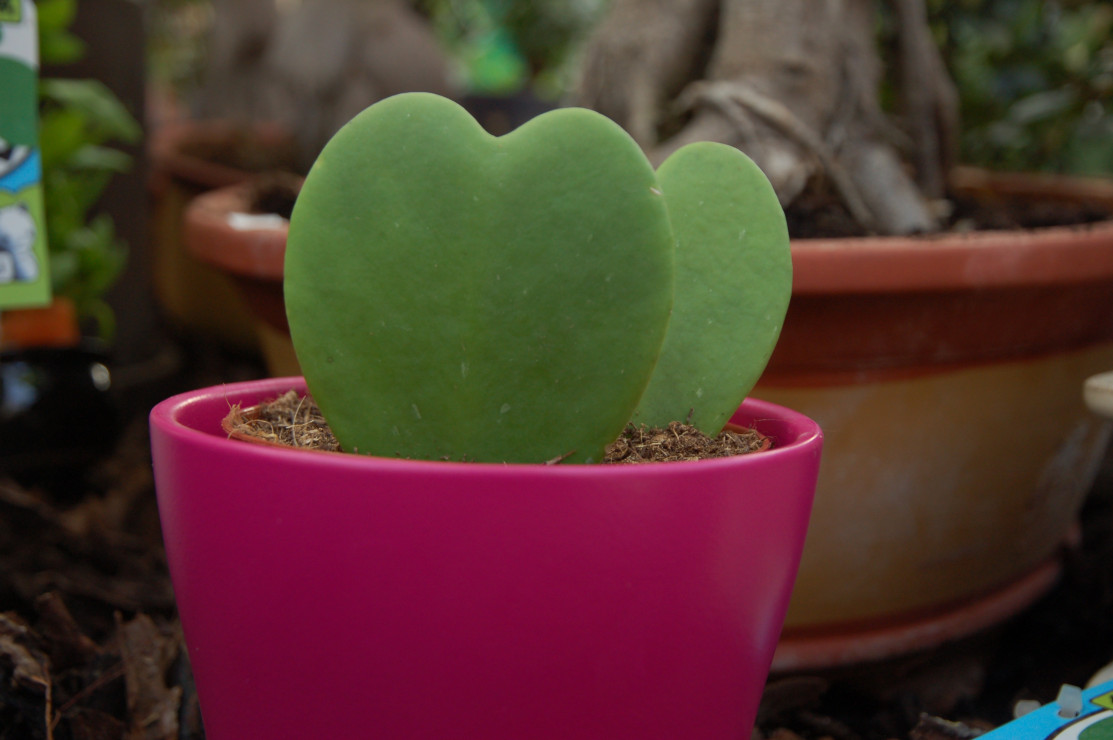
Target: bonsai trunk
x=313 y=65
x=793 y=83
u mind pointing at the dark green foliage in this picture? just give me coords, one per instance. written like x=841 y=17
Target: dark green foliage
x=79 y=119
x=1035 y=79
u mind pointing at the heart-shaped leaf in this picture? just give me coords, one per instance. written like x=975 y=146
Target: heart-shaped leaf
x=733 y=283
x=456 y=295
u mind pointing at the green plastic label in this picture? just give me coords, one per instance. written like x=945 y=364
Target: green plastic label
x=24 y=276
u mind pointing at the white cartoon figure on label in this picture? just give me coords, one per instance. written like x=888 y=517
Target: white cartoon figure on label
x=17 y=241
x=12 y=156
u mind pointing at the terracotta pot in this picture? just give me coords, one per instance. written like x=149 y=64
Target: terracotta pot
x=344 y=596
x=968 y=352
x=196 y=298
x=249 y=250
x=54 y=325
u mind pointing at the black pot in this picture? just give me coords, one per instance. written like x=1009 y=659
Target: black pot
x=57 y=415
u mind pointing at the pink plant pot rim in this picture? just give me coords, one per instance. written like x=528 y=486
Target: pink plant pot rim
x=176 y=417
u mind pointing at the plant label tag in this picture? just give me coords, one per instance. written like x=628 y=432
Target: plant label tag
x=24 y=267
x=1075 y=715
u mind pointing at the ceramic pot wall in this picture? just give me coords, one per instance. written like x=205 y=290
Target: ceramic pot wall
x=340 y=596
x=945 y=372
x=249 y=252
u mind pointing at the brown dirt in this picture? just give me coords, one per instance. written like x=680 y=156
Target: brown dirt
x=275 y=193
x=681 y=441
x=293 y=420
x=817 y=214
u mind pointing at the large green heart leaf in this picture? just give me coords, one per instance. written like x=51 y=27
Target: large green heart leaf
x=733 y=284
x=456 y=295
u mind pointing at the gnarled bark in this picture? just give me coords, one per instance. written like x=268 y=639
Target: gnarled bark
x=644 y=53
x=793 y=83
x=314 y=66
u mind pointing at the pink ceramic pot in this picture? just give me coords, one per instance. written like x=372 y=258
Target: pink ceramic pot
x=336 y=596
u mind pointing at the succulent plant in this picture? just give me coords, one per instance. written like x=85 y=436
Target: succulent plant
x=455 y=295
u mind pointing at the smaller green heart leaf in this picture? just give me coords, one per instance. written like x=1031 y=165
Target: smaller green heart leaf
x=733 y=284
x=455 y=295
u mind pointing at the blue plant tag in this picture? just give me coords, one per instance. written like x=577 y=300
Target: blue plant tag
x=24 y=267
x=1075 y=715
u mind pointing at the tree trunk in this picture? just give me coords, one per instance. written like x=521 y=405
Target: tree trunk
x=314 y=66
x=793 y=83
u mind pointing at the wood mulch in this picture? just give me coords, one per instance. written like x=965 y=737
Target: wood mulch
x=90 y=646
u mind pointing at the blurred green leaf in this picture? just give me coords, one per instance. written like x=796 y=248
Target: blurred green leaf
x=79 y=121
x=60 y=49
x=56 y=15
x=1042 y=106
x=101 y=158
x=56 y=44
x=61 y=133
x=505 y=45
x=106 y=116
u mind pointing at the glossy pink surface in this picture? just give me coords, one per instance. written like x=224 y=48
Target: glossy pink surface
x=336 y=596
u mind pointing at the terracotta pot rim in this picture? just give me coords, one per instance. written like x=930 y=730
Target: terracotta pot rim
x=1048 y=256
x=847 y=265
x=257 y=252
x=980 y=259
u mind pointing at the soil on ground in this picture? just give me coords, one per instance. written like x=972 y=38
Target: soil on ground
x=818 y=214
x=90 y=644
